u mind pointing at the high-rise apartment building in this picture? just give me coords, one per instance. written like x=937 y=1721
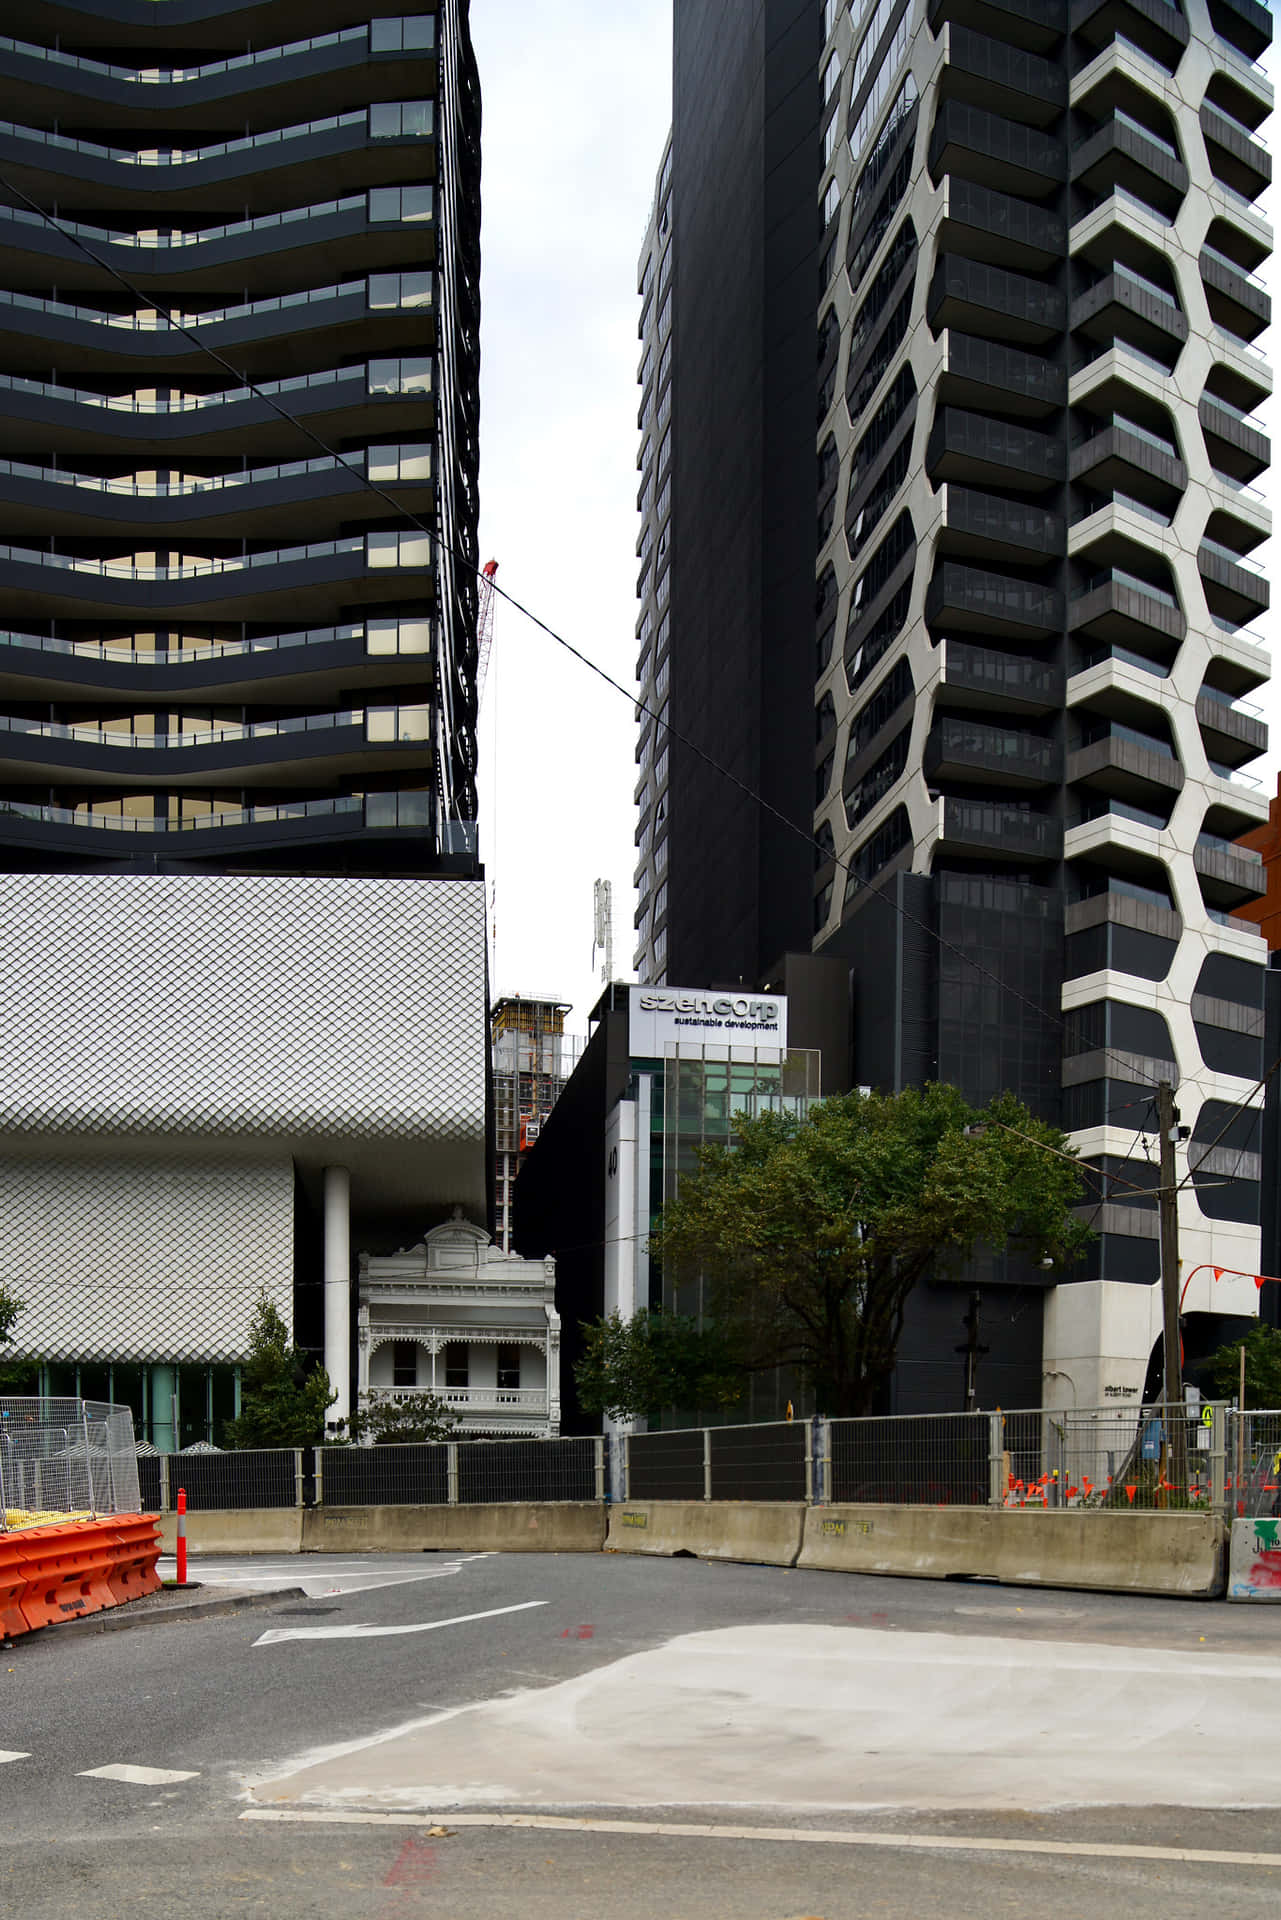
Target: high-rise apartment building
x=244 y=936
x=1038 y=302
x=221 y=649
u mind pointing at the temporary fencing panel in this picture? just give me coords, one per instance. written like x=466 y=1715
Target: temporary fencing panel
x=405 y=1476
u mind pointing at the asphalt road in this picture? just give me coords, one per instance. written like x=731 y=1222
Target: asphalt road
x=161 y=1768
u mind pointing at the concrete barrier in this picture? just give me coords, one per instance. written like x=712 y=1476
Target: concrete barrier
x=230 y=1530
x=1167 y=1553
x=527 y=1527
x=765 y=1532
x=1254 y=1560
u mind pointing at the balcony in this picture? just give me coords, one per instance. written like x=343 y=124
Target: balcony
x=1246 y=26
x=1231 y=734
x=983 y=526
x=981 y=224
x=1124 y=302
x=1234 y=440
x=263 y=86
x=997 y=153
x=1237 y=298
x=1035 y=24
x=1150 y=24
x=1229 y=874
x=984 y=299
x=251 y=831
x=1123 y=153
x=974 y=447
x=1000 y=833
x=1125 y=456
x=973 y=598
x=1127 y=765
x=1235 y=588
x=975 y=676
x=519 y=1403
x=971 y=750
x=1001 y=78
x=1237 y=158
x=980 y=373
x=1119 y=607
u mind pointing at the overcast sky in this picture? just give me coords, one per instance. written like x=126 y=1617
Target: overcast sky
x=577 y=102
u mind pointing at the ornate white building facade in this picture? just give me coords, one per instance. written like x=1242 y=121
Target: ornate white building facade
x=457 y=1317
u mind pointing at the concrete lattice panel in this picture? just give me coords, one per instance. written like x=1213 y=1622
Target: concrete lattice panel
x=143 y=1260
x=345 y=1018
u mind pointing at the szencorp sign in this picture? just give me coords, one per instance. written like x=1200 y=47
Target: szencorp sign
x=660 y=1014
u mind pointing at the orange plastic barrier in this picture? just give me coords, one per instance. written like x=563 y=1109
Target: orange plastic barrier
x=67 y=1570
x=138 y=1549
x=13 y=1578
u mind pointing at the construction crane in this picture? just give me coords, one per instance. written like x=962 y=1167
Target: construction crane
x=484 y=626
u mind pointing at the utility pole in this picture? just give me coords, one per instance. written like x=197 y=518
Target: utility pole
x=1176 y=1431
x=972 y=1350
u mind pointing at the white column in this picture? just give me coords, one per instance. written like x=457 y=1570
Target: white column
x=338 y=1289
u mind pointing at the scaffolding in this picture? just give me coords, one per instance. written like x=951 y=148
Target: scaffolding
x=533 y=1057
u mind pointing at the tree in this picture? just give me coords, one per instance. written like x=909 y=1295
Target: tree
x=1262 y=1368
x=811 y=1234
x=400 y=1422
x=652 y=1361
x=16 y=1376
x=282 y=1404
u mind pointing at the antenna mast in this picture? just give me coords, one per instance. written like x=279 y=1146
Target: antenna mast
x=603 y=928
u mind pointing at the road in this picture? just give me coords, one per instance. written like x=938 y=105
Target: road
x=439 y=1734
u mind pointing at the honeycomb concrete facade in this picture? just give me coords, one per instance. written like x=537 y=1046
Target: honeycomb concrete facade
x=1035 y=594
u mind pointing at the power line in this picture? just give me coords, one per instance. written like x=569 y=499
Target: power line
x=179 y=325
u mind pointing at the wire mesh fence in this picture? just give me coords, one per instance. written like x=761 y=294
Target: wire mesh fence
x=61 y=1457
x=1254 y=1466
x=251 y=1477
x=911 y=1460
x=470 y=1472
x=1113 y=1458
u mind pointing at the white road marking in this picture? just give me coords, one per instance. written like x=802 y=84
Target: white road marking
x=359 y=1579
x=137 y=1776
x=277 y=1634
x=6 y=1757
x=805 y=1836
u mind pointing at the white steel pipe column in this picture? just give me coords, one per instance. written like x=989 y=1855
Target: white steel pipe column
x=338 y=1290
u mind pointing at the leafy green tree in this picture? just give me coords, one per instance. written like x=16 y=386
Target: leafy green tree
x=810 y=1235
x=282 y=1404
x=16 y=1376
x=399 y=1422
x=655 y=1360
x=1262 y=1368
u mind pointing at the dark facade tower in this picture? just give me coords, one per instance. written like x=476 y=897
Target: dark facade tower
x=1036 y=450
x=737 y=630
x=220 y=650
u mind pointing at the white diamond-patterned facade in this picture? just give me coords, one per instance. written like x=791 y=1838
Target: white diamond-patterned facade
x=190 y=1059
x=456 y=1318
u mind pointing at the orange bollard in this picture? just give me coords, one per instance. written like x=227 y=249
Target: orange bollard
x=182 y=1537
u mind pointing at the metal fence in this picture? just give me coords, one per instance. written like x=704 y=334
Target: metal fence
x=65 y=1456
x=1101 y=1459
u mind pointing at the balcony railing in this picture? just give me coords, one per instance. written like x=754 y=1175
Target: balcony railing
x=380 y=550
x=401 y=725
x=383 y=293
x=409 y=33
x=415 y=124
x=468 y=1399
x=413 y=810
x=392 y=636
x=418 y=210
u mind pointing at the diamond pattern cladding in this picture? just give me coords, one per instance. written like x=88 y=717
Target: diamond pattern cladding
x=135 y=1260
x=313 y=1010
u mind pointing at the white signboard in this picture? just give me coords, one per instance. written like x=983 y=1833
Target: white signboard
x=660 y=1014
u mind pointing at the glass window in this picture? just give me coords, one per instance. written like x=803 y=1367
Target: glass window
x=397 y=636
x=831 y=200
x=831 y=74
x=508 y=1368
x=408 y=205
x=397 y=550
x=402 y=376
x=404 y=1363
x=414 y=33
x=400 y=120
x=399 y=463
x=400 y=289
x=456 y=1364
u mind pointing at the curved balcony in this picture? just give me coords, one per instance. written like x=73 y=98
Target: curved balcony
x=310 y=666
x=1128 y=765
x=335 y=67
x=319 y=321
x=999 y=830
x=984 y=299
x=1000 y=153
x=351 y=402
x=1237 y=298
x=1116 y=606
x=986 y=526
x=307 y=750
x=368 y=231
x=970 y=750
x=1123 y=152
x=1234 y=440
x=973 y=676
x=315 y=582
x=1238 y=159
x=979 y=373
x=252 y=832
x=1124 y=302
x=1230 y=733
x=1229 y=874
x=974 y=447
x=262 y=503
x=972 y=598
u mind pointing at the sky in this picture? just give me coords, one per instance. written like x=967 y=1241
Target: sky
x=577 y=102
